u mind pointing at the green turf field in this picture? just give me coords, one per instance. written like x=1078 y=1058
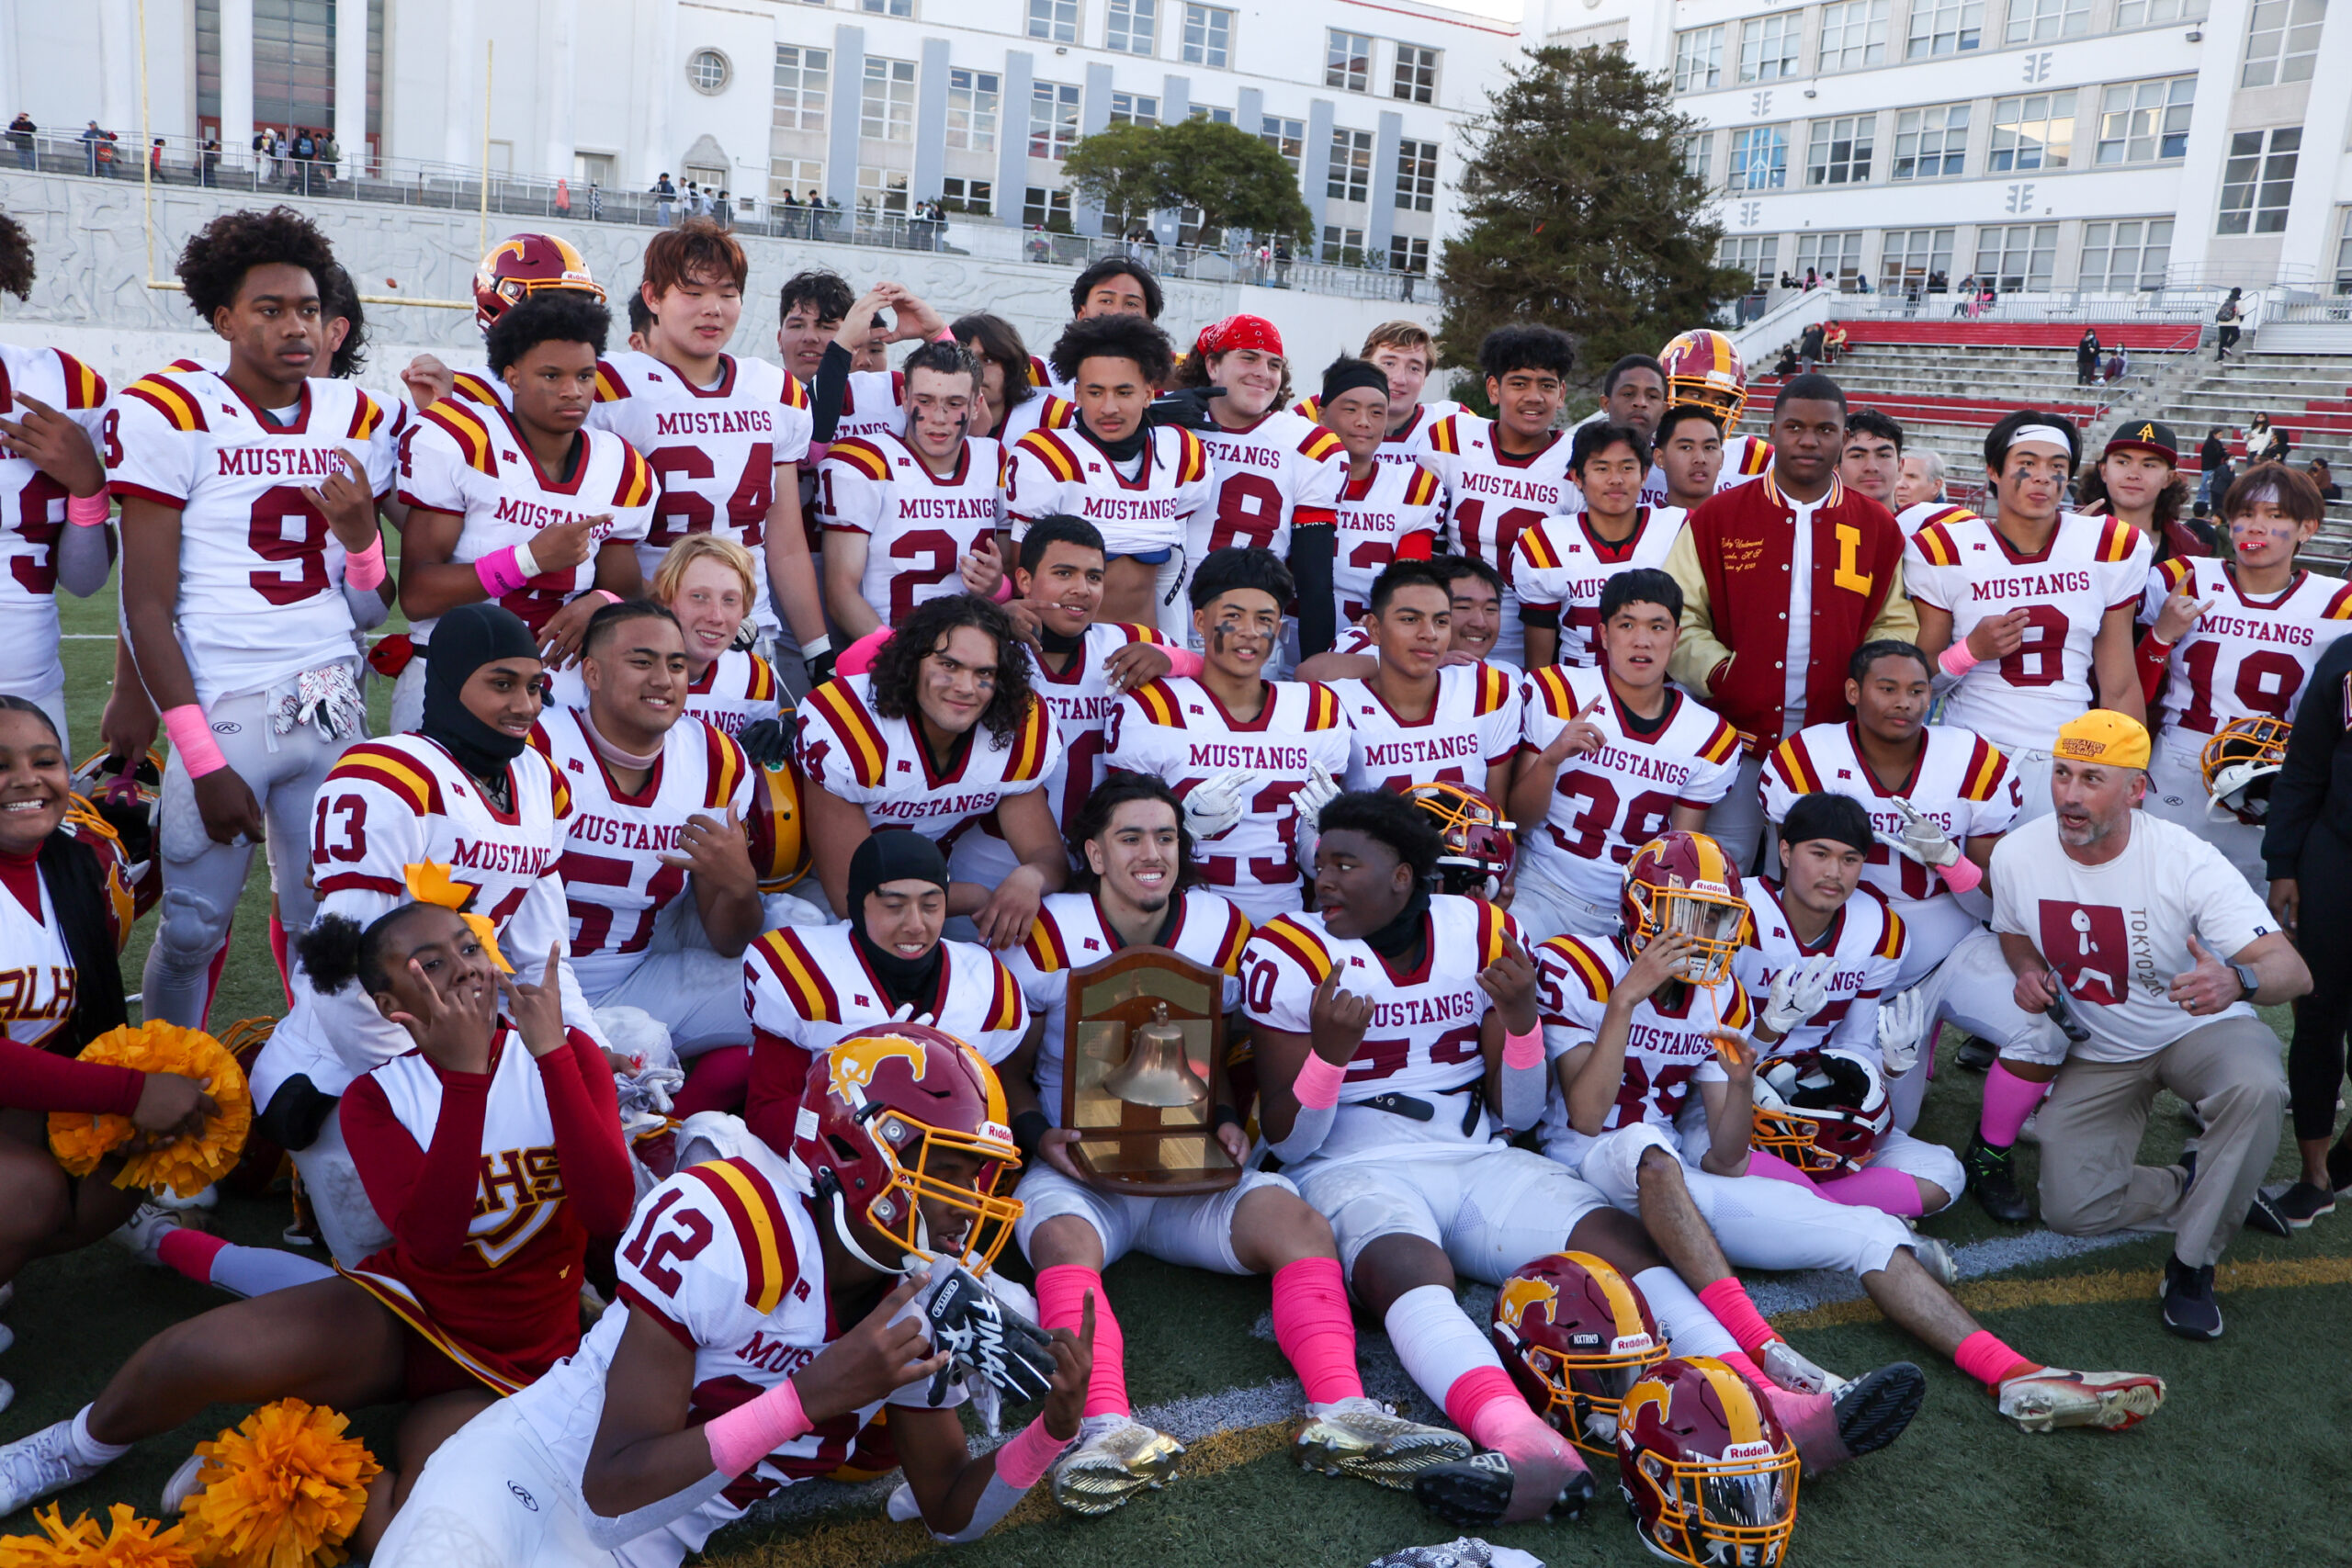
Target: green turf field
x=2246 y=1463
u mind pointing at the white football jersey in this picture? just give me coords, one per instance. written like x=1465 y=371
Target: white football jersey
x=1560 y=565
x=39 y=981
x=918 y=525
x=1081 y=700
x=1064 y=471
x=725 y=1256
x=1424 y=1039
x=1606 y=806
x=1072 y=934
x=32 y=509
x=1404 y=447
x=2091 y=566
x=1919 y=514
x=883 y=765
x=1376 y=516
x=714 y=451
x=470 y=459
x=1175 y=731
x=1283 y=471
x=2244 y=657
x=261 y=573
x=1865 y=937
x=614 y=882
x=1961 y=782
x=1669 y=1041
x=1491 y=499
x=874 y=402
x=810 y=985
x=1474 y=723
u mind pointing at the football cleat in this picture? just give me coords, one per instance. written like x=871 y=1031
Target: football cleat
x=1462 y=1552
x=1487 y=1489
x=1790 y=1370
x=1937 y=1259
x=1992 y=1176
x=1116 y=1457
x=1363 y=1438
x=1860 y=1417
x=142 y=1235
x=182 y=1485
x=31 y=1468
x=2055 y=1397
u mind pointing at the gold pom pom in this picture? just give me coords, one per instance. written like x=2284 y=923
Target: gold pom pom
x=187 y=1166
x=130 y=1542
x=283 y=1489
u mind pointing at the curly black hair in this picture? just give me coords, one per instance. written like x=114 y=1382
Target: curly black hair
x=214 y=262
x=826 y=290
x=1115 y=337
x=1241 y=566
x=551 y=315
x=1117 y=267
x=339 y=298
x=1404 y=827
x=897 y=666
x=15 y=258
x=337 y=950
x=1094 y=820
x=1525 y=347
x=613 y=616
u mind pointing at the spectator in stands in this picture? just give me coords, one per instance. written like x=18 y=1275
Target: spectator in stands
x=1832 y=342
x=1788 y=282
x=1967 y=295
x=209 y=158
x=92 y=140
x=155 y=160
x=2213 y=464
x=2324 y=477
x=2264 y=443
x=1812 y=279
x=665 y=199
x=1786 y=366
x=2087 y=357
x=2228 y=316
x=20 y=137
x=1809 y=344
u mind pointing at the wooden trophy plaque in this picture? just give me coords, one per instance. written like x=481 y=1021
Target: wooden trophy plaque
x=1143 y=1070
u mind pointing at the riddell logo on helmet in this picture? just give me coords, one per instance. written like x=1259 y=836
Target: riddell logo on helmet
x=1745 y=1451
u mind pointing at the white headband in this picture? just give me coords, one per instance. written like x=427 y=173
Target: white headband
x=2049 y=433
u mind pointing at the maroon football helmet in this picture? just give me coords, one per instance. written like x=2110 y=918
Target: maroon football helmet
x=1575 y=1335
x=522 y=264
x=1821 y=1111
x=1479 y=849
x=1707 y=1470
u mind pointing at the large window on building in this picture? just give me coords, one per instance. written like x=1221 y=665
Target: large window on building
x=2126 y=253
x=294 y=49
x=1342 y=246
x=2259 y=180
x=882 y=193
x=1208 y=35
x=1836 y=258
x=1944 y=27
x=1840 y=151
x=1697 y=151
x=885 y=110
x=1912 y=259
x=888 y=8
x=1287 y=137
x=1415 y=76
x=974 y=101
x=975 y=197
x=1930 y=144
x=1699 y=58
x=800 y=178
x=802 y=78
x=1134 y=108
x=1042 y=208
x=1769 y=47
x=1056 y=21
x=2281 y=41
x=1759 y=158
x=2045 y=21
x=2151 y=13
x=2035 y=131
x=2018 y=257
x=1347 y=61
x=1755 y=254
x=1416 y=175
x=1349 y=175
x=1853 y=34
x=1053 y=118
x=2144 y=122
x=1131 y=27
x=1408 y=254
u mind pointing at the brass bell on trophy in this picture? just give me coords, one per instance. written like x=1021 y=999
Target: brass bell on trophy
x=1156 y=1071
x=1143 y=1048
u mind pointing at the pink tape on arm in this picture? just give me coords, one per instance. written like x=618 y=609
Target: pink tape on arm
x=1524 y=1050
x=191 y=737
x=366 y=569
x=859 y=656
x=1003 y=592
x=1957 y=661
x=740 y=1437
x=1317 y=1086
x=1028 y=1454
x=1961 y=874
x=500 y=573
x=1185 y=661
x=88 y=511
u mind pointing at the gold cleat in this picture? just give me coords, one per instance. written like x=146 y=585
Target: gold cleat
x=1364 y=1438
x=2055 y=1397
x=1116 y=1457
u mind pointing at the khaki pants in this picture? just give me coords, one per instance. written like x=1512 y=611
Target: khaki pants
x=2097 y=1111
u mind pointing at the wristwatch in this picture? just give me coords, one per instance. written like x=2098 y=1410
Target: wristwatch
x=2248 y=981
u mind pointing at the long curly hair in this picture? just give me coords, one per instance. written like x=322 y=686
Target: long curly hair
x=897 y=667
x=2172 y=502
x=214 y=262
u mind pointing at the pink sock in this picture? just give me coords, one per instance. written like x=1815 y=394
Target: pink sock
x=715 y=1081
x=1484 y=1403
x=190 y=1253
x=1061 y=1303
x=2008 y=1100
x=278 y=951
x=1727 y=1299
x=1760 y=1163
x=1989 y=1362
x=1737 y=1362
x=1312 y=1326
x=1875 y=1188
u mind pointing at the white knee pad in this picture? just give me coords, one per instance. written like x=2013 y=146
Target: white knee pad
x=1612 y=1163
x=190 y=929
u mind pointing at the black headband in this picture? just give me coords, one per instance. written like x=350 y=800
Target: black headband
x=1837 y=816
x=1342 y=379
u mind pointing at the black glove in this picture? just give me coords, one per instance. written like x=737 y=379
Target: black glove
x=820 y=667
x=1187 y=409
x=766 y=741
x=981 y=1334
x=295 y=1114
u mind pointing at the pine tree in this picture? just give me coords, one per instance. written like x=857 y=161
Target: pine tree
x=1579 y=214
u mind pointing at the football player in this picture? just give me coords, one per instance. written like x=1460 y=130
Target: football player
x=1133 y=890
x=943 y=729
x=724 y=436
x=2233 y=640
x=1822 y=912
x=1138 y=482
x=1405 y=354
x=1614 y=757
x=514 y=499
x=658 y=802
x=1278 y=474
x=1872 y=464
x=1234 y=746
x=1011 y=403
x=805 y=985
x=1689 y=453
x=1703 y=369
x=1416 y=719
x=519 y=267
x=1633 y=397
x=1387 y=511
x=2030 y=614
x=913 y=517
x=53 y=508
x=1504 y=475
x=809 y=310
x=1562 y=564
x=1398 y=1032
x=1635 y=1023
x=1478 y=591
x=768 y=1310
x=251 y=561
x=862 y=398
x=710 y=584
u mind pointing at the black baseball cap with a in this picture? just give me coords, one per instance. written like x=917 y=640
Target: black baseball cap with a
x=2145 y=435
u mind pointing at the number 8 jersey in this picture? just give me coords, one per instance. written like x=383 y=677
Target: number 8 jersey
x=261 y=574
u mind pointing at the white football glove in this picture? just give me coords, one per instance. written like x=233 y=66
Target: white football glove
x=1922 y=839
x=1214 y=807
x=907 y=1014
x=1801 y=990
x=1902 y=1018
x=1319 y=791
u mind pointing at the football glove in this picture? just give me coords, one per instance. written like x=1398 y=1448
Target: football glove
x=1900 y=1020
x=1922 y=839
x=767 y=742
x=1214 y=807
x=1800 y=991
x=1187 y=409
x=1319 y=791
x=980 y=1334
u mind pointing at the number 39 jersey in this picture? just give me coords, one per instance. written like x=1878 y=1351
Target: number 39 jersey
x=261 y=574
x=2244 y=657
x=32 y=509
x=1424 y=1038
x=918 y=523
x=1491 y=499
x=1283 y=472
x=2092 y=565
x=1669 y=1043
x=1607 y=805
x=1176 y=731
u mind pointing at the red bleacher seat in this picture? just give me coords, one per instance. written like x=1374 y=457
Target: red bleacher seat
x=2160 y=336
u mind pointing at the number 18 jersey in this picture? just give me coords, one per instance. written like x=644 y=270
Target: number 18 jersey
x=2244 y=657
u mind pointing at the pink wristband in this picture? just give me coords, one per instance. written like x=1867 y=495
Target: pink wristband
x=1027 y=1455
x=945 y=334
x=191 y=735
x=1317 y=1085
x=1957 y=661
x=1961 y=874
x=1524 y=1050
x=366 y=569
x=606 y=594
x=1185 y=661
x=1004 y=588
x=740 y=1437
x=88 y=511
x=499 y=572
